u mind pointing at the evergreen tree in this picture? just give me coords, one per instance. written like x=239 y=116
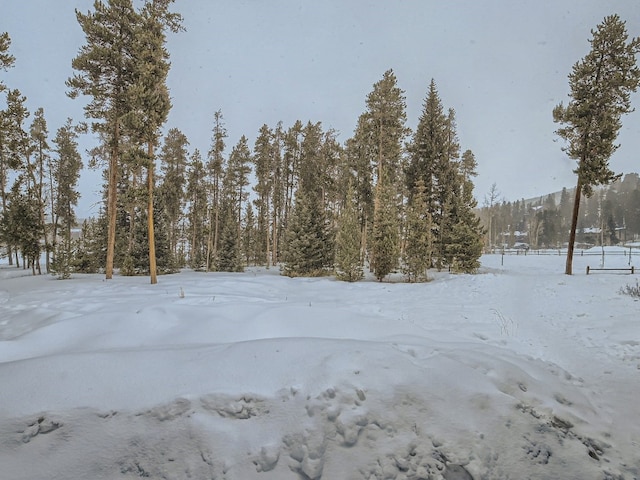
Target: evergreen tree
x=348 y=261
x=11 y=133
x=359 y=173
x=173 y=158
x=251 y=247
x=197 y=211
x=309 y=246
x=138 y=261
x=38 y=170
x=106 y=69
x=308 y=238
x=20 y=226
x=565 y=211
x=6 y=59
x=66 y=176
x=383 y=126
x=264 y=158
x=278 y=193
x=19 y=150
x=234 y=194
x=89 y=254
x=150 y=96
x=385 y=235
x=230 y=253
x=463 y=246
x=215 y=169
x=601 y=85
x=419 y=239
x=292 y=152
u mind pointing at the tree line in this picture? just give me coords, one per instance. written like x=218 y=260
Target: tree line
x=610 y=216
x=388 y=199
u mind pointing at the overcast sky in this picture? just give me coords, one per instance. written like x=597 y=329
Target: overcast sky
x=501 y=64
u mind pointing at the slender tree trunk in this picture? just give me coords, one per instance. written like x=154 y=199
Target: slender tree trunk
x=153 y=274
x=132 y=214
x=266 y=226
x=274 y=239
x=54 y=216
x=209 y=240
x=363 y=233
x=42 y=205
x=216 y=219
x=112 y=204
x=574 y=224
x=4 y=209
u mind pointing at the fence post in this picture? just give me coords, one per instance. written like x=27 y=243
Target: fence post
x=587 y=269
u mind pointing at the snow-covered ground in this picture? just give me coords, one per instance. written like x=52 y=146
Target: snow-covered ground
x=517 y=372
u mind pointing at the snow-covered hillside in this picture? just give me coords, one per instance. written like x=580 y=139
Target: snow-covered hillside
x=517 y=372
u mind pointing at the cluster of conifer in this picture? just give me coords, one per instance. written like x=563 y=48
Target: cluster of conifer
x=387 y=199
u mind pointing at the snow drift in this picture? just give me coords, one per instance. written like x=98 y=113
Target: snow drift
x=517 y=372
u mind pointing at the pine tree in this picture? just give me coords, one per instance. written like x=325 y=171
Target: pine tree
x=6 y=59
x=308 y=241
x=197 y=211
x=236 y=177
x=173 y=158
x=292 y=152
x=251 y=247
x=11 y=133
x=89 y=253
x=385 y=236
x=215 y=169
x=230 y=253
x=20 y=225
x=463 y=246
x=19 y=150
x=359 y=172
x=106 y=69
x=383 y=126
x=348 y=261
x=150 y=96
x=38 y=170
x=264 y=158
x=278 y=193
x=309 y=238
x=66 y=176
x=601 y=85
x=419 y=237
x=234 y=194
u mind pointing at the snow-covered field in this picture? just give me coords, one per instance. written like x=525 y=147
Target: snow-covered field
x=517 y=372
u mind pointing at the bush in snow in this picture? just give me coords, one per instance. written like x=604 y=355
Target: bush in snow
x=631 y=290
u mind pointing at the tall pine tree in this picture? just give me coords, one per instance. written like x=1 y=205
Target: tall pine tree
x=601 y=85
x=384 y=131
x=106 y=69
x=66 y=174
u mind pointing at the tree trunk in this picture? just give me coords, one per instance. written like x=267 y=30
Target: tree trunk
x=112 y=205
x=209 y=240
x=266 y=226
x=132 y=215
x=274 y=238
x=153 y=274
x=572 y=234
x=54 y=216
